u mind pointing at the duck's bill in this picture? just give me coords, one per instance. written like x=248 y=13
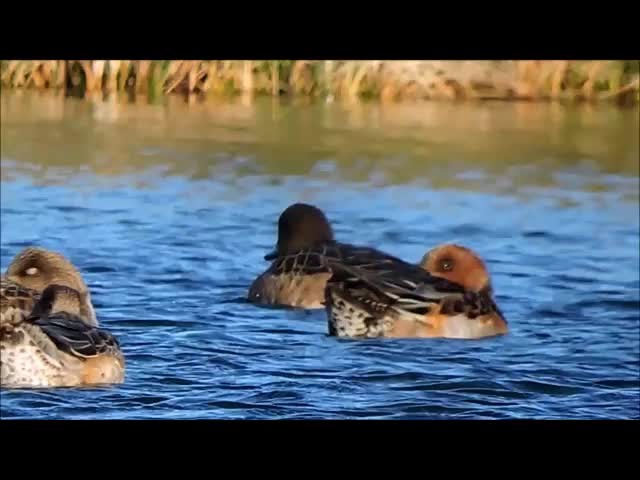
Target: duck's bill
x=271 y=255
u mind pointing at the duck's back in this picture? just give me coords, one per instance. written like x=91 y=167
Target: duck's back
x=299 y=278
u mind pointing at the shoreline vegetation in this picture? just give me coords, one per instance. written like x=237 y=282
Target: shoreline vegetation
x=387 y=81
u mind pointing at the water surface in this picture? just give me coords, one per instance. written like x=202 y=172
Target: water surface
x=169 y=209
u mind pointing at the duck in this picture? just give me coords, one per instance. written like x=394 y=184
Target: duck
x=296 y=276
x=30 y=272
x=57 y=344
x=299 y=271
x=372 y=299
x=378 y=299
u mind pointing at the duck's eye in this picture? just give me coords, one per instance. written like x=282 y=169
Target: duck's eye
x=31 y=271
x=447 y=265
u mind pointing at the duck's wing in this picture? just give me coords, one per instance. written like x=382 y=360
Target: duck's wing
x=394 y=283
x=309 y=261
x=382 y=283
x=321 y=259
x=16 y=301
x=73 y=336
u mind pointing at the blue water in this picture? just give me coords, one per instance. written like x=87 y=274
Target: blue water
x=169 y=256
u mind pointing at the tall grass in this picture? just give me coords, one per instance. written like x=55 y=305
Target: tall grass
x=351 y=80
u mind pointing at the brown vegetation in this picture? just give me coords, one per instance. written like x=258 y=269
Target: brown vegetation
x=383 y=80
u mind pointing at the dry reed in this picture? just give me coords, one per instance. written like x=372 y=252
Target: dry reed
x=383 y=80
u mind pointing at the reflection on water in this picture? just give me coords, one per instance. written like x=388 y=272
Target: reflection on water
x=168 y=210
x=496 y=145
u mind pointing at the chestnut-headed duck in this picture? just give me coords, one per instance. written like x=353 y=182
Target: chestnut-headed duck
x=458 y=264
x=448 y=295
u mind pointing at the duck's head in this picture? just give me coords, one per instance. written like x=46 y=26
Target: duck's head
x=301 y=226
x=458 y=264
x=37 y=268
x=59 y=298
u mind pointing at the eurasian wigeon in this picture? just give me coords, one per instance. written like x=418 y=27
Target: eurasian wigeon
x=448 y=295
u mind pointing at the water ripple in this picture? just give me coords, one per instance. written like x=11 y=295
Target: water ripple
x=169 y=257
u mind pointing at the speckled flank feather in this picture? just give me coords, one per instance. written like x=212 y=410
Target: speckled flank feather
x=27 y=362
x=347 y=318
x=32 y=356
